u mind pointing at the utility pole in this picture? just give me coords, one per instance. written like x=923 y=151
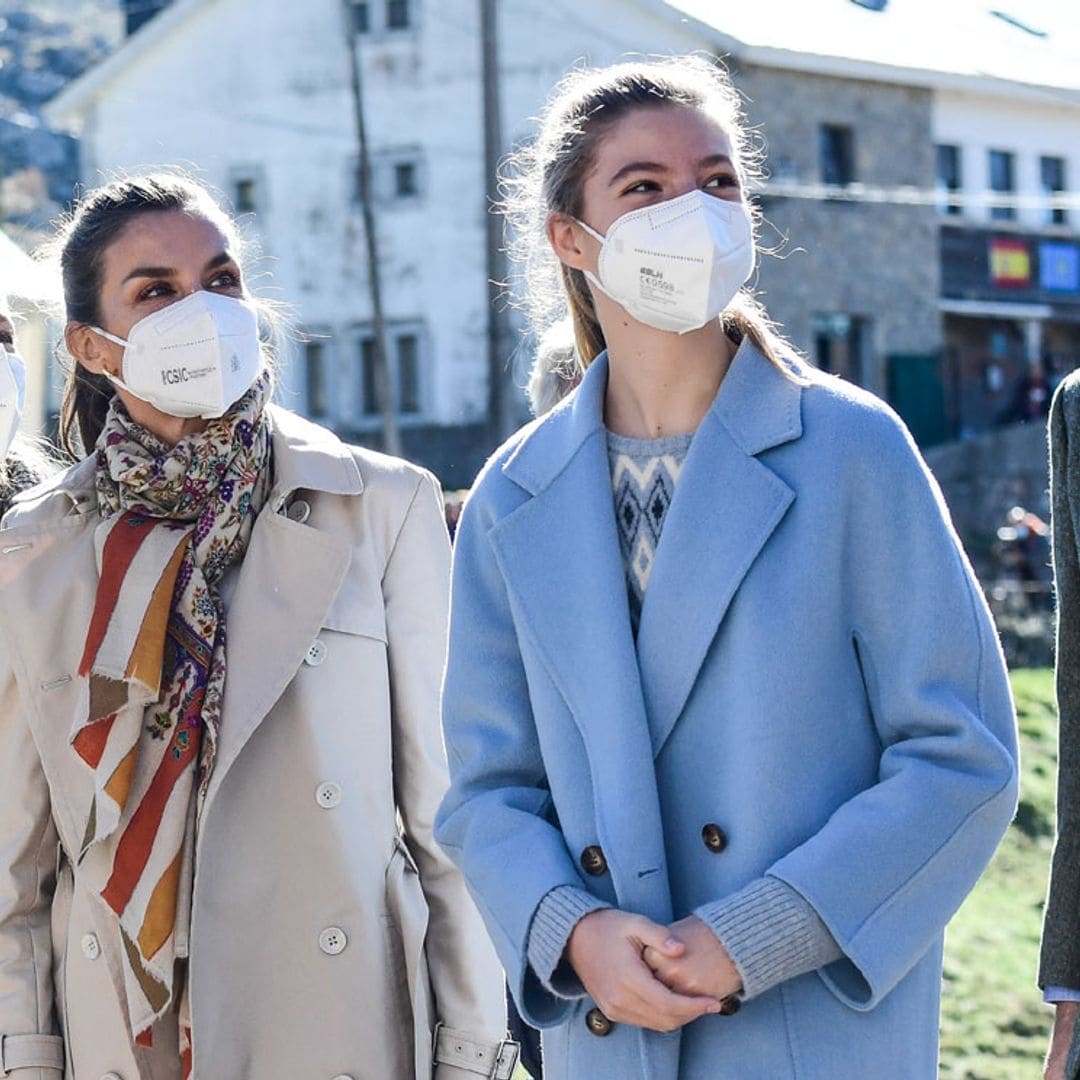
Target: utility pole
x=500 y=419
x=391 y=434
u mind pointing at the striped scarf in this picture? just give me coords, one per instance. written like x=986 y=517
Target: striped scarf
x=153 y=672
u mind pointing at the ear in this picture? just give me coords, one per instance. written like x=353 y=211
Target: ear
x=90 y=349
x=572 y=245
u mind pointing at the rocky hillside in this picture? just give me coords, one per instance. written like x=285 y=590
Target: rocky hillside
x=43 y=45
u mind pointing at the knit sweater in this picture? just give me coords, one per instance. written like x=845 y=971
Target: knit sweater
x=770 y=932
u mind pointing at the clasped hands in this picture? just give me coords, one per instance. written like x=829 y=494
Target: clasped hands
x=652 y=976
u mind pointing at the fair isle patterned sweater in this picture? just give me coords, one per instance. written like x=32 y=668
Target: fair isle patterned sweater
x=644 y=473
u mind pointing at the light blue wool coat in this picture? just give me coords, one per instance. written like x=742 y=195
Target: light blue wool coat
x=816 y=672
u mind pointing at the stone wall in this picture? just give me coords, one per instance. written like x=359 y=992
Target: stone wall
x=984 y=476
x=877 y=261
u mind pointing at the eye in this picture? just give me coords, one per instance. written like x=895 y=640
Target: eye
x=155 y=290
x=640 y=187
x=226 y=279
x=722 y=180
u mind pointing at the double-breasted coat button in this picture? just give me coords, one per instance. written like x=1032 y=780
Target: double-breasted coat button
x=91 y=947
x=593 y=860
x=597 y=1023
x=333 y=940
x=298 y=511
x=730 y=1005
x=316 y=653
x=715 y=838
x=343 y=1076
x=112 y=1076
x=328 y=795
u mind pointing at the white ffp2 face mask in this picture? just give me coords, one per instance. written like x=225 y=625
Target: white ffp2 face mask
x=12 y=396
x=193 y=358
x=675 y=265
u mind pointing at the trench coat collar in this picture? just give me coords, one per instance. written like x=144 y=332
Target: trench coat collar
x=727 y=505
x=305 y=455
x=316 y=459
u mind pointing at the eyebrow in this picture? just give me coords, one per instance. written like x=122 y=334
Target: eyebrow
x=656 y=167
x=170 y=271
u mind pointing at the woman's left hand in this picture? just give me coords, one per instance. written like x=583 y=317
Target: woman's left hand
x=704 y=967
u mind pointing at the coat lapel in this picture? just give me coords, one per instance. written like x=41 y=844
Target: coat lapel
x=559 y=555
x=726 y=506
x=289 y=577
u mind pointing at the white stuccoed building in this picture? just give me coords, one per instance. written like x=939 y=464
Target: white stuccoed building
x=253 y=96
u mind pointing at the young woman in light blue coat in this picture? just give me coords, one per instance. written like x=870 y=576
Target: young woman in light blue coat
x=729 y=729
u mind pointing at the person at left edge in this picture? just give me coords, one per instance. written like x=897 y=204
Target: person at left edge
x=22 y=462
x=220 y=645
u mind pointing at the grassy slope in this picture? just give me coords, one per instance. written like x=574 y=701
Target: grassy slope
x=994 y=1025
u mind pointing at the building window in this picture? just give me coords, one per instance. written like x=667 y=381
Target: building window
x=397 y=176
x=361 y=13
x=408 y=370
x=837 y=144
x=377 y=16
x=1003 y=180
x=839 y=341
x=949 y=178
x=405 y=180
x=316 y=375
x=1052 y=179
x=397 y=14
x=403 y=345
x=244 y=195
x=247 y=189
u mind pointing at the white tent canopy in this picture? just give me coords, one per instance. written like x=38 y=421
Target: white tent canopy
x=22 y=278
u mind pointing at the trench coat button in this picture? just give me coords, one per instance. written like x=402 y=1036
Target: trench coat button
x=91 y=947
x=343 y=1076
x=715 y=838
x=730 y=1005
x=597 y=1023
x=316 y=653
x=333 y=940
x=298 y=511
x=112 y=1076
x=328 y=795
x=593 y=860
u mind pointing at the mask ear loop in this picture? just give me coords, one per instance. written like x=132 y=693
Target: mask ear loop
x=590 y=277
x=108 y=374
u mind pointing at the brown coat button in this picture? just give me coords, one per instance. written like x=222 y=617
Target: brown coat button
x=593 y=862
x=730 y=1005
x=715 y=838
x=597 y=1023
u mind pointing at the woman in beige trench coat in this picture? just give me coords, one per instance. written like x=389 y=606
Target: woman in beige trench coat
x=313 y=930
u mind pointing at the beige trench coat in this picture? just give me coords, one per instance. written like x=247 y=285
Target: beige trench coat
x=329 y=933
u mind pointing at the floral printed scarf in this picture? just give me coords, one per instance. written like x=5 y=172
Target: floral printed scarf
x=173 y=520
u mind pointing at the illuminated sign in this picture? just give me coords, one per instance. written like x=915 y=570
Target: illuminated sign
x=1010 y=263
x=1059 y=267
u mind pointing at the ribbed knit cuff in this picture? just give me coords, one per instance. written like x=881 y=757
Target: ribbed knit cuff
x=552 y=924
x=771 y=934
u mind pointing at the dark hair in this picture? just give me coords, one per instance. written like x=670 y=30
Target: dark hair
x=98 y=218
x=548 y=177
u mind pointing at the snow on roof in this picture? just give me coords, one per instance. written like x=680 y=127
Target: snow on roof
x=940 y=42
